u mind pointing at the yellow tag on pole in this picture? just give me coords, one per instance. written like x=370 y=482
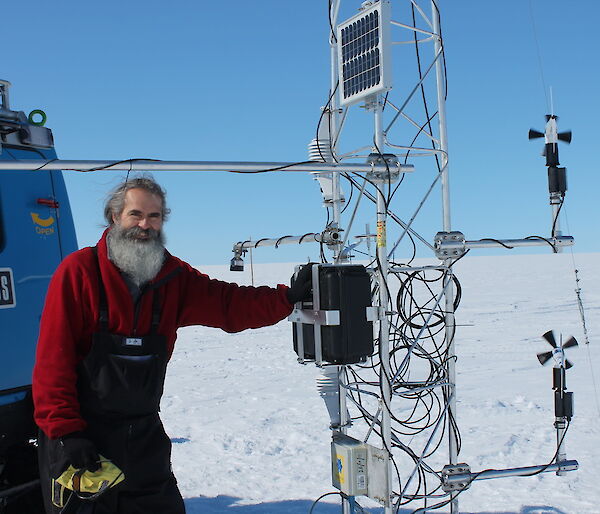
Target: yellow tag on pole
x=381 y=234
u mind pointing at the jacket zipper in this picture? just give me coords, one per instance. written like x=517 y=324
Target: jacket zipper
x=137 y=307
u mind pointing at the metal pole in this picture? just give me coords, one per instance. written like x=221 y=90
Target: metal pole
x=449 y=286
x=251 y=267
x=561 y=453
x=555 y=203
x=467 y=478
x=451 y=394
x=441 y=99
x=333 y=121
x=395 y=218
x=156 y=165
x=450 y=245
x=384 y=329
x=560 y=422
x=333 y=132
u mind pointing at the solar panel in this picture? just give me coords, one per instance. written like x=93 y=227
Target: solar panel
x=363 y=53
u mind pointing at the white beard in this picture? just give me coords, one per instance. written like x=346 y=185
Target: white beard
x=140 y=259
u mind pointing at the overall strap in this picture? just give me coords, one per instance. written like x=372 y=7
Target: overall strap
x=103 y=303
x=156 y=310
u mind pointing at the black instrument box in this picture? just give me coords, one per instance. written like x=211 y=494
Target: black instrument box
x=345 y=288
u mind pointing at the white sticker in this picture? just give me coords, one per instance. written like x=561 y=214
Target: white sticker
x=361 y=482
x=7 y=289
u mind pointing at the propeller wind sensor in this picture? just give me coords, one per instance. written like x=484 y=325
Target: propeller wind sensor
x=558 y=351
x=552 y=137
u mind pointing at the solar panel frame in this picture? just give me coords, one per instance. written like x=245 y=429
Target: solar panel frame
x=364 y=53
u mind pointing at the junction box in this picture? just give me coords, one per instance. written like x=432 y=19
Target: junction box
x=349 y=465
x=359 y=469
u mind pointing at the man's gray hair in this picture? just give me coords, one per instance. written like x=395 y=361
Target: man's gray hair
x=116 y=199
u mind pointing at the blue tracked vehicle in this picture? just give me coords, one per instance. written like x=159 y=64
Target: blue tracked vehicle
x=36 y=233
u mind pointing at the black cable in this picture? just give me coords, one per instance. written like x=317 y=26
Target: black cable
x=321 y=497
x=427 y=122
x=130 y=161
x=45 y=164
x=364 y=178
x=106 y=166
x=331 y=24
x=497 y=241
x=278 y=242
x=552 y=245
x=268 y=170
x=390 y=213
x=385 y=99
x=562 y=201
x=422 y=88
x=323 y=111
x=260 y=241
x=305 y=235
x=414 y=247
x=427 y=409
x=349 y=198
x=443 y=49
x=459 y=258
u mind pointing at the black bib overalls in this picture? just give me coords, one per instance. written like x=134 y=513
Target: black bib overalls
x=120 y=384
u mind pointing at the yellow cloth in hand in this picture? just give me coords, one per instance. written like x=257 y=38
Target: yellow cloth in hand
x=92 y=482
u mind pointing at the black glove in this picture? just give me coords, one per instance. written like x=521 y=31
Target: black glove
x=301 y=289
x=80 y=451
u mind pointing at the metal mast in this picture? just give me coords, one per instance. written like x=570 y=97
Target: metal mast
x=331 y=116
x=447 y=227
x=384 y=327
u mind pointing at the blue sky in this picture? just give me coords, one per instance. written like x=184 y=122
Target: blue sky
x=244 y=81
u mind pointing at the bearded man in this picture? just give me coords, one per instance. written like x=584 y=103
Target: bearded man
x=107 y=332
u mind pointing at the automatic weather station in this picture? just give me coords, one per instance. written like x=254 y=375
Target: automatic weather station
x=389 y=363
x=383 y=333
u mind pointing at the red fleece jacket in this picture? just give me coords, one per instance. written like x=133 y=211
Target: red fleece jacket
x=70 y=317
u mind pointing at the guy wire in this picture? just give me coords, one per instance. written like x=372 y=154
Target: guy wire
x=583 y=323
x=539 y=55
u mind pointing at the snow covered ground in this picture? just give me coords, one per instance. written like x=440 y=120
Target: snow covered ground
x=250 y=432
